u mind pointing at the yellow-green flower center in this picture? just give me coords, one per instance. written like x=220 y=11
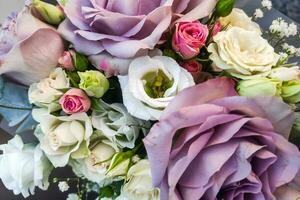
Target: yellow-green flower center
x=156 y=83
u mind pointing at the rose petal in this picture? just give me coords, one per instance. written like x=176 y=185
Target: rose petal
x=34 y=58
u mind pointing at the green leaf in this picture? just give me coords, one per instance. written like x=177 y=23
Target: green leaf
x=107 y=192
x=81 y=63
x=74 y=78
x=170 y=53
x=224 y=7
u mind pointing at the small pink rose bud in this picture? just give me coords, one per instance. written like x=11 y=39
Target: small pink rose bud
x=75 y=101
x=189 y=38
x=193 y=67
x=217 y=28
x=66 y=61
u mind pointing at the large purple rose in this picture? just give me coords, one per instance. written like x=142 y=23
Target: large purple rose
x=125 y=28
x=29 y=48
x=212 y=145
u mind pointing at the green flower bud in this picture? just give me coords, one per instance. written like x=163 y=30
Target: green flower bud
x=291 y=91
x=120 y=164
x=94 y=83
x=50 y=13
x=259 y=87
x=224 y=7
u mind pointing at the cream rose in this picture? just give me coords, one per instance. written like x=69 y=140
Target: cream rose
x=244 y=54
x=151 y=84
x=23 y=167
x=47 y=92
x=139 y=183
x=63 y=137
x=95 y=166
x=238 y=18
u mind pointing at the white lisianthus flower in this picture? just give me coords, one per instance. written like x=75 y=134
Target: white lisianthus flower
x=95 y=166
x=238 y=18
x=285 y=73
x=63 y=137
x=139 y=183
x=47 y=92
x=23 y=167
x=244 y=54
x=116 y=124
x=151 y=84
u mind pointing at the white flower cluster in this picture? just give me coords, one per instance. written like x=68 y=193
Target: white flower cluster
x=282 y=28
x=290 y=49
x=63 y=186
x=267 y=4
x=258 y=13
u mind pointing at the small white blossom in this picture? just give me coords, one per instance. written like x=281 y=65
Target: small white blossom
x=292 y=29
x=72 y=197
x=279 y=26
x=266 y=4
x=282 y=28
x=258 y=14
x=283 y=56
x=290 y=49
x=63 y=186
x=298 y=52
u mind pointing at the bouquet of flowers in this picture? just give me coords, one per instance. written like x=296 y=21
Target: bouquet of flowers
x=151 y=99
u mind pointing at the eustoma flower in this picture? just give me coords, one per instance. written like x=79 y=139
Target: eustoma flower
x=125 y=28
x=29 y=48
x=210 y=144
x=189 y=38
x=151 y=84
x=116 y=124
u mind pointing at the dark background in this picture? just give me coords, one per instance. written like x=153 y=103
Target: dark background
x=289 y=7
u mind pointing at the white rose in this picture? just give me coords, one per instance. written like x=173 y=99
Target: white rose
x=23 y=167
x=116 y=124
x=95 y=166
x=47 y=92
x=285 y=73
x=139 y=183
x=63 y=137
x=244 y=54
x=238 y=18
x=151 y=84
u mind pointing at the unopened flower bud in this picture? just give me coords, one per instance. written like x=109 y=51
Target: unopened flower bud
x=50 y=13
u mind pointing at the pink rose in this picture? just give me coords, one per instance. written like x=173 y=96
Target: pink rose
x=193 y=67
x=66 y=61
x=189 y=38
x=217 y=28
x=75 y=101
